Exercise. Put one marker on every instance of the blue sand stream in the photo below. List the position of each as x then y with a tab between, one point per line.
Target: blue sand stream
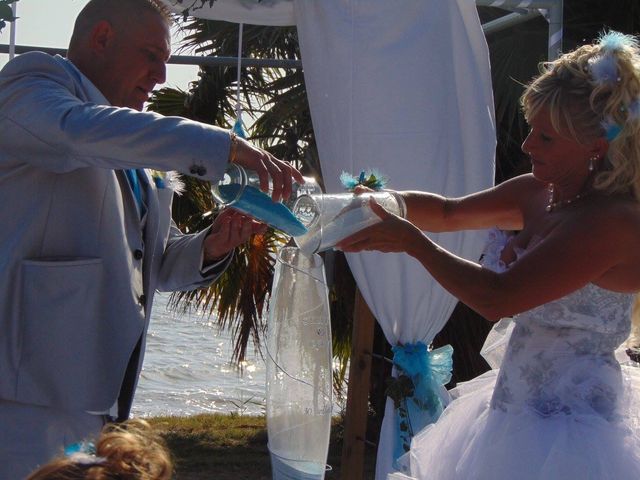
260	206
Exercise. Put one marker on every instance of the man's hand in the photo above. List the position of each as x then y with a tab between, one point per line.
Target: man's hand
266	165
230	229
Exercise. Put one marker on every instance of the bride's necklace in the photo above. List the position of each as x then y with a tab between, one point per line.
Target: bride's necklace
552	205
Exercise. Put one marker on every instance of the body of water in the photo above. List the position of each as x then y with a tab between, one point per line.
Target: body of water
187	369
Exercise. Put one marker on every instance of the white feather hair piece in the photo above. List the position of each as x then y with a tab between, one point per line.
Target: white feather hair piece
604	68
615	41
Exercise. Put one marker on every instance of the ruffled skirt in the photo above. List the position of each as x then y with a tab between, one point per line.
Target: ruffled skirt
472	441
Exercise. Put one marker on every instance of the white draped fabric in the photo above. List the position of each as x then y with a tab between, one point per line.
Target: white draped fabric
404	88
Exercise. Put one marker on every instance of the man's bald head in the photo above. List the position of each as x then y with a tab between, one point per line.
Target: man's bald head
121	14
122	46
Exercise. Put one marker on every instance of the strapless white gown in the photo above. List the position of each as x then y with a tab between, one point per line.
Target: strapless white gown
560	406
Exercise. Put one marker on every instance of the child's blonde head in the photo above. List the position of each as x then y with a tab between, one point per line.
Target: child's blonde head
127	451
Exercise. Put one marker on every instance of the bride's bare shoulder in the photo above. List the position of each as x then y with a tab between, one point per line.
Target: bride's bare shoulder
610	218
616	229
524	185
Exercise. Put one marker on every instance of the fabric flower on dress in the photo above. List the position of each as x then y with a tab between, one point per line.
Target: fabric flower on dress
496	241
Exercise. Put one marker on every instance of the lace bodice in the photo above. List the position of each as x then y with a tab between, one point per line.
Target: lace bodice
560	357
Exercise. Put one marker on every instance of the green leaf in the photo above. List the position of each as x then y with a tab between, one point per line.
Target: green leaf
5	12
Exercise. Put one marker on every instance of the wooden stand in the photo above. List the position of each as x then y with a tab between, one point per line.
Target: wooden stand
358	391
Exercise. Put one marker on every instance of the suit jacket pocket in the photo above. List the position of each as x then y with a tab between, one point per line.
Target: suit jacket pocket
60	333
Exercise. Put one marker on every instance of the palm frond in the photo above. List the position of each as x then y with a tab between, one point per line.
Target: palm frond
169	101
275	103
241	292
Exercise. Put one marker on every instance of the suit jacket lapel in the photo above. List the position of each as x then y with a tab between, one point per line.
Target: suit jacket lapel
150	233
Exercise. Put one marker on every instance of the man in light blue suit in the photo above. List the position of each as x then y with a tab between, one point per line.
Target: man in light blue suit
87	236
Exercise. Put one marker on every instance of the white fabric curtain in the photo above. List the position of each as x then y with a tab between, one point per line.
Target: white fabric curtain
405	88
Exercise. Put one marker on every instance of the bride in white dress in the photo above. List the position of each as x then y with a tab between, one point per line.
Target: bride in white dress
560	406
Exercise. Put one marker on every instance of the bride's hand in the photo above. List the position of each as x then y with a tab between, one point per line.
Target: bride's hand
359	189
391	234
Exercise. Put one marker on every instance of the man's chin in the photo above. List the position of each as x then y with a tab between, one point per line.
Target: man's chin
139	106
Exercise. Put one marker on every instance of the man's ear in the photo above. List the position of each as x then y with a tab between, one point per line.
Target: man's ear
101	37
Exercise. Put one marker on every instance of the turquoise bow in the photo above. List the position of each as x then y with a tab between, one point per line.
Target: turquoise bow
421	373
87	448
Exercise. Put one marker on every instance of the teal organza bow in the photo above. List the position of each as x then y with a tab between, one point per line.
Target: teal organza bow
421	374
87	448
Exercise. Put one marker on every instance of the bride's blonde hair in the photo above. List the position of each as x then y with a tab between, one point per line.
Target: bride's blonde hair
127	451
594	92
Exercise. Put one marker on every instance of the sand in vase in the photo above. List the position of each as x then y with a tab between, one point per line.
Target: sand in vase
260	206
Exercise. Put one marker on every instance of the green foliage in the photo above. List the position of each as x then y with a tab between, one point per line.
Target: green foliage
274	99
238	299
231	447
6	13
275	103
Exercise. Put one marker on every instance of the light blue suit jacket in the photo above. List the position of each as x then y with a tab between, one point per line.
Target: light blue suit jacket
77	275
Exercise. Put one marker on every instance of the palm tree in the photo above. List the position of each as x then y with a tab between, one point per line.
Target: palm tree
275	102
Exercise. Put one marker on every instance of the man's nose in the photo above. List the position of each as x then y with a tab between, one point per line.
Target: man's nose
526	145
159	73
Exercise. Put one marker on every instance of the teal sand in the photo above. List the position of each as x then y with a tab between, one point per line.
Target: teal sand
260	206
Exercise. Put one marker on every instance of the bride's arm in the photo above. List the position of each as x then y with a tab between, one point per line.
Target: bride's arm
500	206
578	251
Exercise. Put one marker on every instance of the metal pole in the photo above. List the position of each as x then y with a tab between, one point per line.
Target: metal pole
507	21
12	32
554	11
181	59
517	4
556	14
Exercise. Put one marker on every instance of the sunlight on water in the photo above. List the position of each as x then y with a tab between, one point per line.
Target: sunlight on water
187	371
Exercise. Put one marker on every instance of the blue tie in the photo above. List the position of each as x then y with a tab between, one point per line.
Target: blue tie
132	175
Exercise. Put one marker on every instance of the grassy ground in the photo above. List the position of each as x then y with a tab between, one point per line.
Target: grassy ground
226	447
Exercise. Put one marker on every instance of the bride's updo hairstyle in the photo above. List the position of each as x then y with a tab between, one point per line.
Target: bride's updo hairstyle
594	92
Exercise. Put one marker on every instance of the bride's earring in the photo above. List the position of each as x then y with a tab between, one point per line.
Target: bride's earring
593	162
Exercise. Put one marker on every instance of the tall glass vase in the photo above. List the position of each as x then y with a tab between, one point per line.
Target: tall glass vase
299	370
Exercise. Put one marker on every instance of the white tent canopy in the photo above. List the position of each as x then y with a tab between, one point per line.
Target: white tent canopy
406	91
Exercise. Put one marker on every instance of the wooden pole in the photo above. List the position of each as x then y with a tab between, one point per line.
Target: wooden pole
358	391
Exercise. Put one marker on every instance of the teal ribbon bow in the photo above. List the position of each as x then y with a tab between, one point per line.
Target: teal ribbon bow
87	448
421	373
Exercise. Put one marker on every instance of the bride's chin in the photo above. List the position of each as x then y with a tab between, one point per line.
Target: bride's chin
538	174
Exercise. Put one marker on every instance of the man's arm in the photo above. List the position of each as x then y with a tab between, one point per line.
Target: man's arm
193	261
45	124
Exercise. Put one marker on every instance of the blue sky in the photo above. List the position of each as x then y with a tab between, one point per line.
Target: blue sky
49	23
